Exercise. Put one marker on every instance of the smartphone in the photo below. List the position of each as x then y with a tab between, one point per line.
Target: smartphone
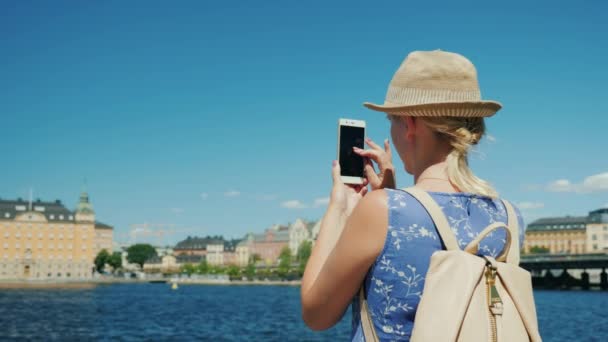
350	133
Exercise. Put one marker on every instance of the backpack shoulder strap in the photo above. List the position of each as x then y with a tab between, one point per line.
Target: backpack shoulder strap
513	225
366	319
443	227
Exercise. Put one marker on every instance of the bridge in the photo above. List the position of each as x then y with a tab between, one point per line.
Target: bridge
541	265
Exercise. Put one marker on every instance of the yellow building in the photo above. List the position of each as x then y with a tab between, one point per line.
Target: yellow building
45	240
560	235
597	231
104	238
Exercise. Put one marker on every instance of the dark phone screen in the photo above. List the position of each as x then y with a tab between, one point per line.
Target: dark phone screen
351	164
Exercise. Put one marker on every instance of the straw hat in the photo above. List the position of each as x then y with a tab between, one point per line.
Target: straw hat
435	83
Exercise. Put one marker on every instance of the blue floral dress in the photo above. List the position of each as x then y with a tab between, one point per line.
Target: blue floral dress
394	283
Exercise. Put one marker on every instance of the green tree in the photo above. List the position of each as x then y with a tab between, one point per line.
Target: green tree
202	267
101	259
284	261
187	268
233	271
304	251
140	253
115	261
250	271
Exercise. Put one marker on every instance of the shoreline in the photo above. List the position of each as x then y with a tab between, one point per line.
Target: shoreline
86	284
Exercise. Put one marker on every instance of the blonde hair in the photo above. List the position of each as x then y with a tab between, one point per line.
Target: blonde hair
461	133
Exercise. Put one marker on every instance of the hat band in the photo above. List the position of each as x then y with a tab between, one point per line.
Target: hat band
415	96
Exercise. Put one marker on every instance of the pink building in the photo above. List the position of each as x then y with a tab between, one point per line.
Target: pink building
269	245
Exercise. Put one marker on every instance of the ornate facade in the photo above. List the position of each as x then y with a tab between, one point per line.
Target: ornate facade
45	240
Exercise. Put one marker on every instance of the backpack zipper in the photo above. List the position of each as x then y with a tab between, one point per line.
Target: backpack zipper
494	301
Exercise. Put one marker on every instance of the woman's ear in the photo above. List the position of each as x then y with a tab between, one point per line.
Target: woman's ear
410	123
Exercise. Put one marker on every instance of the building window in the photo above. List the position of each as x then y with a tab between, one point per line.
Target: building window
595	247
593	237
52	217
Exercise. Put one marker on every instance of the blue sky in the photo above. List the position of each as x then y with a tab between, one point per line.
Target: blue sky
220	117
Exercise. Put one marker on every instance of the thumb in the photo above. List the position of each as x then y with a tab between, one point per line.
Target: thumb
335	172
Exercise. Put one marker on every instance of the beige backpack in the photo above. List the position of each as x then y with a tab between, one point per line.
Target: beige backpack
467	297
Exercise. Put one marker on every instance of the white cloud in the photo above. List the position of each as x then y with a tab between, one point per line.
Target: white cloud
530	205
232	193
561	185
319	202
204	195
293	204
177	210
594	183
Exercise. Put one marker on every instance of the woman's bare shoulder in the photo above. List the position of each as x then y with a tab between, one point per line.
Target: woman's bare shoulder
370	220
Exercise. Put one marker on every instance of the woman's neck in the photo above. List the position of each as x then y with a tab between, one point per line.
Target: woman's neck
435	178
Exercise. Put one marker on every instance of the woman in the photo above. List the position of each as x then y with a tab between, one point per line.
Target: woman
384	239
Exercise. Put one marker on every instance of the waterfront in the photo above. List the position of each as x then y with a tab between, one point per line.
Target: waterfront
134	312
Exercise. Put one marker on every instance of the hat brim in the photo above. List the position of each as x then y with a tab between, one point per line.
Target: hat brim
459	109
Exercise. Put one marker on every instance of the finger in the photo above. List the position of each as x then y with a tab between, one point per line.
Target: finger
335	172
363	191
365	182
375	155
372	144
387	148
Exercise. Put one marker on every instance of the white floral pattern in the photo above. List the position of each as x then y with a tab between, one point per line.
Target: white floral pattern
395	282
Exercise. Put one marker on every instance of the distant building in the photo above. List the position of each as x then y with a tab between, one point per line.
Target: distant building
215	253
268	245
557	234
215	250
230	253
166	263
45	240
299	232
570	235
597	231
196	245
103	237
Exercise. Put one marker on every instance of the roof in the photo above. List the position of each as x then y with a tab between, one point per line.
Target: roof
198	243
101	225
559	223
230	245
598	216
53	211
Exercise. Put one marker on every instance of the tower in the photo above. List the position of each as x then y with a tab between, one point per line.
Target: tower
84	210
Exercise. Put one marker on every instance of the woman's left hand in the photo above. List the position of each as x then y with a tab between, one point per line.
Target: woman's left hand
345	196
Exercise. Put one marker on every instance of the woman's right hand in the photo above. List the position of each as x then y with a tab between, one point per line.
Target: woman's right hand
385	178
